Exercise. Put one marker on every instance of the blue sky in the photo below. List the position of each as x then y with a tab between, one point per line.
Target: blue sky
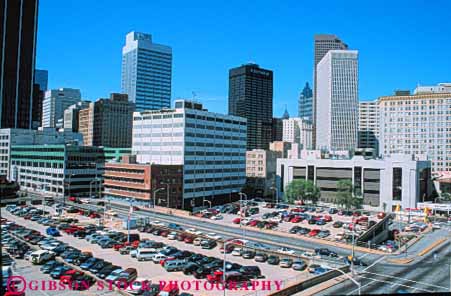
401	43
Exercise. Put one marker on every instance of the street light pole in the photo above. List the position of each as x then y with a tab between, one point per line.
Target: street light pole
128	220
154	195
224	268
209	202
241	213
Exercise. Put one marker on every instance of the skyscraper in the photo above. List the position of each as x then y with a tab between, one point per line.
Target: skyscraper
369	125
337	94
305	103
146	72
251	97
41	77
17	61
55	102
323	43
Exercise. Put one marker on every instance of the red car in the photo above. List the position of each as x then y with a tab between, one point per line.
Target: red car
69	275
327	218
313	232
271	225
81	212
189	239
164	233
236	221
253	223
135	208
356	214
381	215
228	249
296	219
94	215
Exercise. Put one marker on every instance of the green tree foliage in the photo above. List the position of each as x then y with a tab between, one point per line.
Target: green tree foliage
346	195
302	190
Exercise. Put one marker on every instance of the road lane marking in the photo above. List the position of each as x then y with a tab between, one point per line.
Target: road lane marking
399	278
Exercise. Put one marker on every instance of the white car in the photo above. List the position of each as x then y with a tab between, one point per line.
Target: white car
50	247
339	236
193	231
285	250
276	219
172	235
236	252
436	225
157	223
245	221
213	235
217	217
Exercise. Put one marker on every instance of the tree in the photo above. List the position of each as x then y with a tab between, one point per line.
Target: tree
445	196
347	196
302	190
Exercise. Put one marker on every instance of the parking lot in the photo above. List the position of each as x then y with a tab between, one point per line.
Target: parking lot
155	272
304	221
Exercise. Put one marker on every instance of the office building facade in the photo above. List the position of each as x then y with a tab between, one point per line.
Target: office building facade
298	130
322	44
71	116
17	61
337	94
146	72
41	78
210	146
261	171
55	102
57	170
305	103
383	183
11	137
251	97
369	125
419	125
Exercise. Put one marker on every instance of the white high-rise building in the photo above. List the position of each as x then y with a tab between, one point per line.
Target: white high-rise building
419	125
146	72
337	98
210	146
369	125
298	130
55	102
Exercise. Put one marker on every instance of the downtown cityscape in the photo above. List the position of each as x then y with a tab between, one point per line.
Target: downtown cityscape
156	189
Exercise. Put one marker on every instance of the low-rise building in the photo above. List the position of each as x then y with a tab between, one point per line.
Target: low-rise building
10	137
261	171
58	170
383	183
115	154
281	147
141	182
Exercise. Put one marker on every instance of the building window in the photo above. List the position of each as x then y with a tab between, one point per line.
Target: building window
397	184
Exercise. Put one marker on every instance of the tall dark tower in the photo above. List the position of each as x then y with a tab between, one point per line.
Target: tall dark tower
18	28
251	96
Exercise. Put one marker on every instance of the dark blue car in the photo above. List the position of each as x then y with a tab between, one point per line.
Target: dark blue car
52	231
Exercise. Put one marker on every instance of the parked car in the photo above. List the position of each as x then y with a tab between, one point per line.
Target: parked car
299	264
273	260
286	263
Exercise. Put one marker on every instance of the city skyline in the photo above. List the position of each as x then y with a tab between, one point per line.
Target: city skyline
385	66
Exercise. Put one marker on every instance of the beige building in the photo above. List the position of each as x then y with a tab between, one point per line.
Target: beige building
281	147
418	125
299	131
85	122
261	170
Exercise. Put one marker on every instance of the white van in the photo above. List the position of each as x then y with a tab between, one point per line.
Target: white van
156	258
41	256
145	254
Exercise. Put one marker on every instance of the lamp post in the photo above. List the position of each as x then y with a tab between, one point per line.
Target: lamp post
209	202
224	268
276	193
128	220
167	192
155	193
90	188
241	212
